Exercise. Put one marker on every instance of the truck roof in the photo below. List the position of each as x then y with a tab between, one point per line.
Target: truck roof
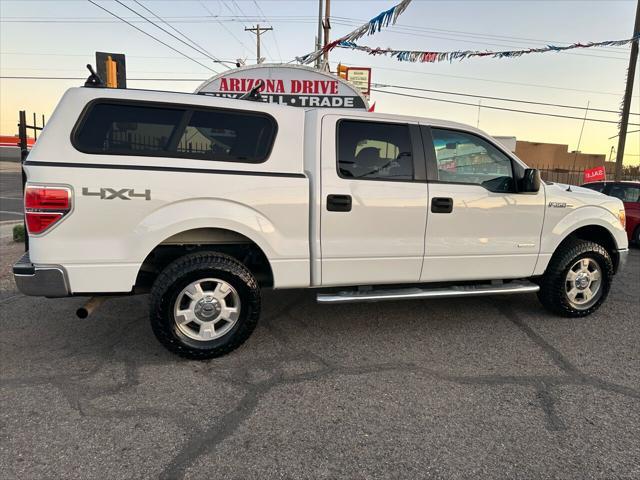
273	108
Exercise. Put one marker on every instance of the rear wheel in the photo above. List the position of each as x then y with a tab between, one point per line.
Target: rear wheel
577	279
636	236
204	305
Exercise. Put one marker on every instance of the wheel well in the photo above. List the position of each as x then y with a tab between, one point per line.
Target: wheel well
220	240
601	236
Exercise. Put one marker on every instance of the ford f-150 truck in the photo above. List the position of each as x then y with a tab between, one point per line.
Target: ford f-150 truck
202	201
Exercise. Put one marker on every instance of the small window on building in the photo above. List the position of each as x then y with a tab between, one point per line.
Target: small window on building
224	135
127	129
374	151
466	158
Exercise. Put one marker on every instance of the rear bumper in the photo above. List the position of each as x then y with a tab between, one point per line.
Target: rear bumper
40	280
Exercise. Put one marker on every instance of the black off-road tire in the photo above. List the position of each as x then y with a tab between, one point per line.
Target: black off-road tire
552	293
636	237
181	273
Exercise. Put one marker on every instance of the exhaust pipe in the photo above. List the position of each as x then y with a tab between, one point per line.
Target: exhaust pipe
88	308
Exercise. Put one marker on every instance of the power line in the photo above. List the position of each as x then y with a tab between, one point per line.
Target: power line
242	44
26	77
153	37
202	50
275	39
490	80
166	31
503	99
499	108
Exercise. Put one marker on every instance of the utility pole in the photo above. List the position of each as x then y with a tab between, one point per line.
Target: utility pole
626	103
326	24
319	36
258	30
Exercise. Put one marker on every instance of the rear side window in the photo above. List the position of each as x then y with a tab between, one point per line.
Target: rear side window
127	129
146	129
374	151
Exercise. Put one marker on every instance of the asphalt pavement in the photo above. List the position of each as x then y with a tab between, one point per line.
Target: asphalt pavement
490	387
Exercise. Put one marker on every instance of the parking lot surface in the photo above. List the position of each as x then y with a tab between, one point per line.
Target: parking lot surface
461	388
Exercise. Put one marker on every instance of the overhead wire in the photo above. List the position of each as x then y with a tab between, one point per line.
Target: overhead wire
493	107
167	32
152	36
242	44
275	37
200	48
503	99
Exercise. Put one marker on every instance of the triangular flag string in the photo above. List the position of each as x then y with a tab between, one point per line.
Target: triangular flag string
422	56
376	24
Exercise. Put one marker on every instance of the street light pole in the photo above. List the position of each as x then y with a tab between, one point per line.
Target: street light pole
626	104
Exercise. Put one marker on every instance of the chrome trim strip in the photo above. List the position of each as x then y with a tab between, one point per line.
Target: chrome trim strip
420	293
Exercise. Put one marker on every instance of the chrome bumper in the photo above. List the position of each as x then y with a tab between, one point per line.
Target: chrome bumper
623	255
40	280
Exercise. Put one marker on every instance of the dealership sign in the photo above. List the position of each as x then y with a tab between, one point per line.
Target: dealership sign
296	85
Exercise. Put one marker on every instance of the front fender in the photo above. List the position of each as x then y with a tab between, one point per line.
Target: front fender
555	232
558	227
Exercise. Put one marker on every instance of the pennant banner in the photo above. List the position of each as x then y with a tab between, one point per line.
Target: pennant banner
432	57
384	19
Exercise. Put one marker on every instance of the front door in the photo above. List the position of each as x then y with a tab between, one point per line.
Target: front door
373	202
479	227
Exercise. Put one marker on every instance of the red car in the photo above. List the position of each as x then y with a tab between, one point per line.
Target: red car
629	193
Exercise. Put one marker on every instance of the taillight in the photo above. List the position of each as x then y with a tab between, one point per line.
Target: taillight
45	206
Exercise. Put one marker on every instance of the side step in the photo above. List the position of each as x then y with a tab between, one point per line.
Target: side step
413	293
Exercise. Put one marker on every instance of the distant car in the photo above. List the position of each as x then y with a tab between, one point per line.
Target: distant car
629	193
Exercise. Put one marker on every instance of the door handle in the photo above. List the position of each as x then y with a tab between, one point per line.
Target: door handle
339	203
441	205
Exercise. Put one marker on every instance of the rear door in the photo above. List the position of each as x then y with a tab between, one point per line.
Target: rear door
373	201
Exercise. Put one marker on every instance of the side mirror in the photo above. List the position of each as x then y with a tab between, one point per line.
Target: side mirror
530	180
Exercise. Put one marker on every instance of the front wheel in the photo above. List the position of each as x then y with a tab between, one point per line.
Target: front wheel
577	279
204	305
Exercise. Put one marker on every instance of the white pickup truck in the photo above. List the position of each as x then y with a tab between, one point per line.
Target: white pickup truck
203	201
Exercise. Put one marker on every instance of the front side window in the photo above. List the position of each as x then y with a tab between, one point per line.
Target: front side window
466	158
374	151
147	129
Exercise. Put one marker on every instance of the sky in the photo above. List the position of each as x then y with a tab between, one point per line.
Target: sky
58	38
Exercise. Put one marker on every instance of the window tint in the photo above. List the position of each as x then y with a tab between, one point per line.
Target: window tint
465	158
142	129
626	193
598	187
373	150
218	135
115	128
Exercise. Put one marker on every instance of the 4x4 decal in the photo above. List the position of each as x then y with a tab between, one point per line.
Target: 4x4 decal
112	193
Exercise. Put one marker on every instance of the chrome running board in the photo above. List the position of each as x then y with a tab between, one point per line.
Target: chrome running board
413	293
